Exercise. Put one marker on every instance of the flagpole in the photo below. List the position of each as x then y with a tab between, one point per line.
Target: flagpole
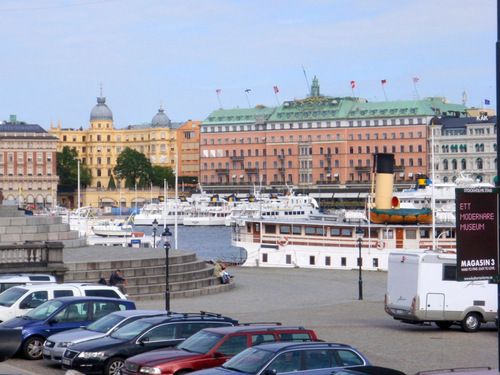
248	100
276	90
416	91
383	89
307	81
218	97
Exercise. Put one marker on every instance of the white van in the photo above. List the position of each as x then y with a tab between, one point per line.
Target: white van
18	300
9	280
423	288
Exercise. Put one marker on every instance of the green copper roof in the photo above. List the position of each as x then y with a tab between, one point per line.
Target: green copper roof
239	116
317	107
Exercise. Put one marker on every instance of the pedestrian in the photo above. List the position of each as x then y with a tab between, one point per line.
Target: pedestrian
118	281
218	271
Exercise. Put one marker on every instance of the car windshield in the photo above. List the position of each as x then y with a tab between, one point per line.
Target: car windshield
131	330
250	360
104	324
43	311
10	296
201	342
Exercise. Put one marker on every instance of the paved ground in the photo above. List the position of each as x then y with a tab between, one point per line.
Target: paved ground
327	301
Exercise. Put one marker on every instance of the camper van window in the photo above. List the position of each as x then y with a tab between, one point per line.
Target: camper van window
411	234
449	272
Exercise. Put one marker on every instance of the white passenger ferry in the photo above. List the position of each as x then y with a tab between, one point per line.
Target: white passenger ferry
327	241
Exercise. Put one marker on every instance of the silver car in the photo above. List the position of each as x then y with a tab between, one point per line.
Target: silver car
55	345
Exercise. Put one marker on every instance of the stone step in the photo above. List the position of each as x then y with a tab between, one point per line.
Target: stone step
209	290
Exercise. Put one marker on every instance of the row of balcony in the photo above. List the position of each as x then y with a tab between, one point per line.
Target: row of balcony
327	169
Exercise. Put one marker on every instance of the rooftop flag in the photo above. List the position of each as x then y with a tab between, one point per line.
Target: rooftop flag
353	84
384	81
247	90
486	102
218	91
276	89
415	79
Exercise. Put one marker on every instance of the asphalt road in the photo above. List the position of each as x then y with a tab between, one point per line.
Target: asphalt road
327	301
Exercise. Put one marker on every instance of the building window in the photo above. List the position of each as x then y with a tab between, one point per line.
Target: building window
343	261
312	260
328	261
288	259
264	258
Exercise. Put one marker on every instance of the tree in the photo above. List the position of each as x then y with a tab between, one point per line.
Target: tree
67	169
133	166
111	183
160	174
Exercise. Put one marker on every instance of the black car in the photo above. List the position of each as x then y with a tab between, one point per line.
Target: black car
106	355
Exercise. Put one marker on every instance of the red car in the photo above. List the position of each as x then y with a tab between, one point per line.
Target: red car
211	347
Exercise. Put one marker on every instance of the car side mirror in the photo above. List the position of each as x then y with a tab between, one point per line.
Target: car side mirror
144	340
270	372
24	305
217	355
53	321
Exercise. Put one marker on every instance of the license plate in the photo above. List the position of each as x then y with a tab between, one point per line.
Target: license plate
46	352
398	311
66	362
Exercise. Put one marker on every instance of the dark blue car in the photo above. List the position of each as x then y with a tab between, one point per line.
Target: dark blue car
61	314
311	358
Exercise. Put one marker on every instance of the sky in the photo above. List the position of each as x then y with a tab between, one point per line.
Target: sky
57	54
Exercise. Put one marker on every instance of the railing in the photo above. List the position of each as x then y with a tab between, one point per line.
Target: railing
31	254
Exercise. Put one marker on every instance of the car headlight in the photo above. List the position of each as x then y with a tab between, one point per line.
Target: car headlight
149	370
88	355
65	344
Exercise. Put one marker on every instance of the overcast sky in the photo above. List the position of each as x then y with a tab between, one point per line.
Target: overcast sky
147	53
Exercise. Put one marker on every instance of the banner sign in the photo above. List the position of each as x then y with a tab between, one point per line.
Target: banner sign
477	233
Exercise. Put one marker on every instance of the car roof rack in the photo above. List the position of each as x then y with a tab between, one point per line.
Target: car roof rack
261	324
456	369
311	343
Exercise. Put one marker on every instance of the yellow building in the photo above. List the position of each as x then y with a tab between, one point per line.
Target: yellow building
99	146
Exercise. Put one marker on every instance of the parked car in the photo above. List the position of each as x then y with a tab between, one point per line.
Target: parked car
19	300
313	358
61	314
55	345
211	347
9	280
106	355
461	371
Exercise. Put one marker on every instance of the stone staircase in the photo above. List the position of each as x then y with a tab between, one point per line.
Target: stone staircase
188	276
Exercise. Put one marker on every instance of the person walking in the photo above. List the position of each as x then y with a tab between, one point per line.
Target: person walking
118	281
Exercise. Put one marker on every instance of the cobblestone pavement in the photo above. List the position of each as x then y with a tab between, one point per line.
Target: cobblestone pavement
327	301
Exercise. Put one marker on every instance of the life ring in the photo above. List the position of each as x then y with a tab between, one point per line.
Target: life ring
283	241
380	245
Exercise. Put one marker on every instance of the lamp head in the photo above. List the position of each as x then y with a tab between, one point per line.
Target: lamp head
360	233
165	236
155	224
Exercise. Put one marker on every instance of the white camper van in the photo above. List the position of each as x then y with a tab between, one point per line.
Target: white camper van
423	288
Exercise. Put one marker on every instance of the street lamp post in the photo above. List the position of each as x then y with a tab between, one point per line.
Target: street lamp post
165	236
155	228
360	233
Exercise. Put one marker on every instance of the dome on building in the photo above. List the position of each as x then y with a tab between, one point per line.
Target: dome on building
160	119
101	111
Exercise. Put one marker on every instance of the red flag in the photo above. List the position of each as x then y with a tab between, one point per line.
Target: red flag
353	84
415	79
384	81
218	91
276	89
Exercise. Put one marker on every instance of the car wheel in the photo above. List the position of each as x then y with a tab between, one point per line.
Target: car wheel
471	322
32	347
113	366
444	324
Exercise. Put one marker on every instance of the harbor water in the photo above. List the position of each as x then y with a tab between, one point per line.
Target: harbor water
210	243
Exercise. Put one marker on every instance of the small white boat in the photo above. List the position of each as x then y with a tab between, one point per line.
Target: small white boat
136	239
112	228
163	212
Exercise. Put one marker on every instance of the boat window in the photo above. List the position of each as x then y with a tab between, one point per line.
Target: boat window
425	233
310	230
388	234
320	231
296	230
284	229
268	228
411	234
346	232
335	232
373	233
